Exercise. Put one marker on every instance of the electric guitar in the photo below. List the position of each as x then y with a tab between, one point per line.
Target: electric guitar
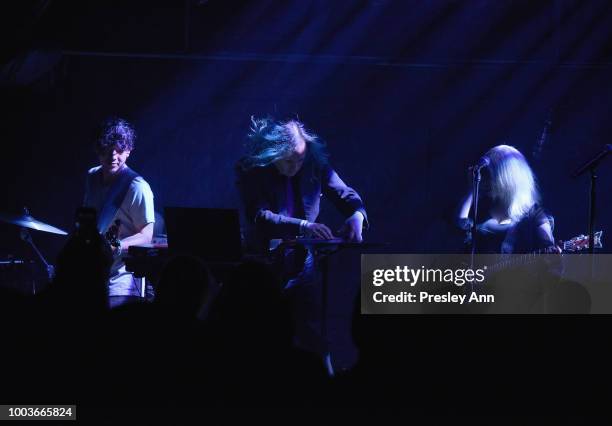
573	245
546	287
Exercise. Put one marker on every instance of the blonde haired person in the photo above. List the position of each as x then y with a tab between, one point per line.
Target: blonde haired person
510	217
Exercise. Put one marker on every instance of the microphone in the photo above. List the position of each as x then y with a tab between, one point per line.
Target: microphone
482	163
593	162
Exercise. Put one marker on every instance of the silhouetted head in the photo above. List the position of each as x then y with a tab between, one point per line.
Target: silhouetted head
82	274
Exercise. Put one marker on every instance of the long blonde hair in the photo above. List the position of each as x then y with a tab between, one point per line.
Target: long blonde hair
513	185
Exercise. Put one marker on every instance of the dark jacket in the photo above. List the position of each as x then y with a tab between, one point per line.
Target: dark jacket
263	192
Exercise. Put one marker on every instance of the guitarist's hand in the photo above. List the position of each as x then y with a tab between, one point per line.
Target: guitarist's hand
117	250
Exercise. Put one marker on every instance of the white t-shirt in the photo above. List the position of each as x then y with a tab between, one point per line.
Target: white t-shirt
136	211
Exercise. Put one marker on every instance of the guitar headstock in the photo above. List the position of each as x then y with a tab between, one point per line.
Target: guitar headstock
581	242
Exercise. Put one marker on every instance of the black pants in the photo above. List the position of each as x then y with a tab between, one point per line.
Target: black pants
302	285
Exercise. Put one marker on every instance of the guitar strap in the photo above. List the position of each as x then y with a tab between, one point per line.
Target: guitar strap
114	197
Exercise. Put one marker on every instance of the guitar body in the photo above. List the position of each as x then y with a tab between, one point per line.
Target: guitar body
523	287
536	282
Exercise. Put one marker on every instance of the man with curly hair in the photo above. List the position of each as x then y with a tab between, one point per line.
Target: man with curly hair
123	201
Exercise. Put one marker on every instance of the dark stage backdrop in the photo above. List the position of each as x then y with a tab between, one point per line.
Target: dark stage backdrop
407	94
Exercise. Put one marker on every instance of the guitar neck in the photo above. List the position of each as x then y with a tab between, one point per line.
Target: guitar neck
576	244
516	260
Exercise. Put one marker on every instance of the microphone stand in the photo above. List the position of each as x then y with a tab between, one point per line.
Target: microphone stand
476	177
27	237
591	167
592	204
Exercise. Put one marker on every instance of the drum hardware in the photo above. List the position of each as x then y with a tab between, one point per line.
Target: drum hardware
17	274
26	222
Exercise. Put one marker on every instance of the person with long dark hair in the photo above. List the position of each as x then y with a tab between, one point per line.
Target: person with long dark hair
281	181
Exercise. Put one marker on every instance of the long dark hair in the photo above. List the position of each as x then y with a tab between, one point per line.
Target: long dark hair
271	140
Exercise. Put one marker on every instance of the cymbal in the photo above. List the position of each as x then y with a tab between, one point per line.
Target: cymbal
27	221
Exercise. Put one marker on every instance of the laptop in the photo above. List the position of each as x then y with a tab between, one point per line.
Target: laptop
210	234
